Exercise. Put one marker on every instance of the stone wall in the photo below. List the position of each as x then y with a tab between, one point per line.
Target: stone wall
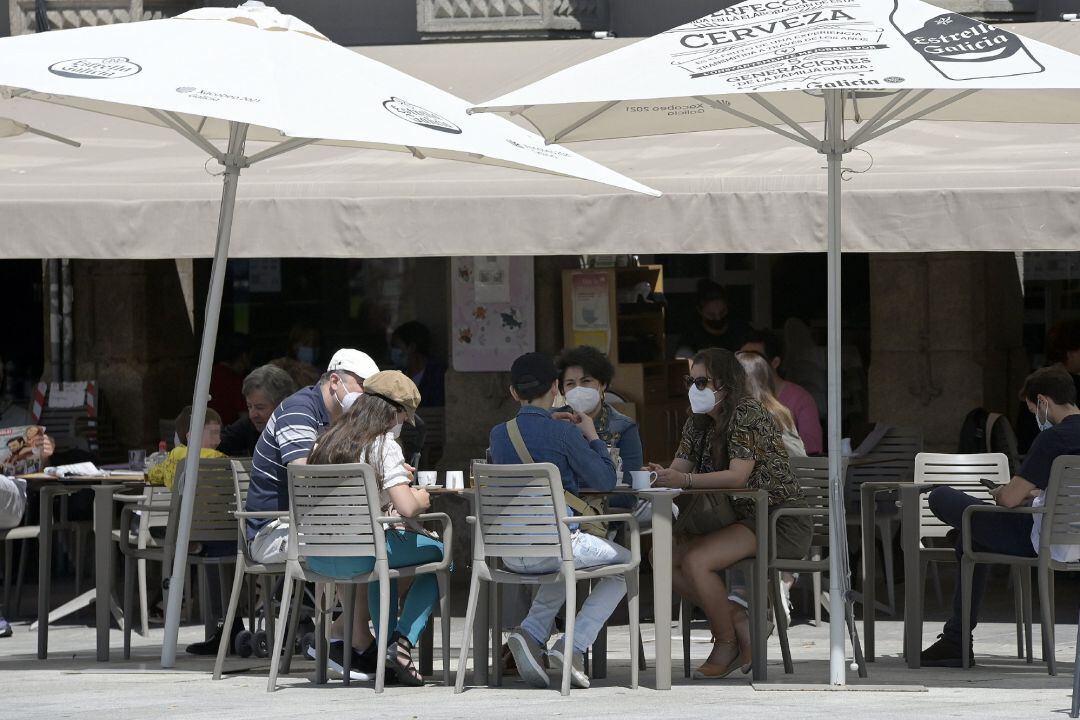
946	338
133	336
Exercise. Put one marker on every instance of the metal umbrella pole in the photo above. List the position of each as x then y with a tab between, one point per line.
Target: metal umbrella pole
234	161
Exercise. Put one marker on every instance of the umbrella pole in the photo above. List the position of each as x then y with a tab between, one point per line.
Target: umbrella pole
234	161
834	151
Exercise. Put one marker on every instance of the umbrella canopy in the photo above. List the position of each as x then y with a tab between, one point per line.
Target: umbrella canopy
207	68
252	73
783	63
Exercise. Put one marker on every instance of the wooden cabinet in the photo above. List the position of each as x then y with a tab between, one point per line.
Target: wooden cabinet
632	334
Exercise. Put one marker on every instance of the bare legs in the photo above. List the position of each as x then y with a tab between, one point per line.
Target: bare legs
696	577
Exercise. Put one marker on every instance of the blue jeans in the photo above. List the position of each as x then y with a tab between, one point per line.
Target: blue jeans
1007	534
404	548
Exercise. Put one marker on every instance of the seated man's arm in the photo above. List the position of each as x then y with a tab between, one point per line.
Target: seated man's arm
1016	493
590	461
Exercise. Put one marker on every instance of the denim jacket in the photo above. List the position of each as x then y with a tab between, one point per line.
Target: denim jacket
617	429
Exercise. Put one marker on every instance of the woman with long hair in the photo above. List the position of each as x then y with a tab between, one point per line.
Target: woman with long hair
367	432
761	384
729	442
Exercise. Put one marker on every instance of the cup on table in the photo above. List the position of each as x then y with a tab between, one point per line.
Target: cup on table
642	479
455	480
427	478
137	460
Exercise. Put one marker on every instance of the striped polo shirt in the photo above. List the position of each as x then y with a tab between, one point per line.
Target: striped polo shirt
290	435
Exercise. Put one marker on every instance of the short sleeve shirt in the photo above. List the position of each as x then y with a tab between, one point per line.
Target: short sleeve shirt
1061	439
289	435
752	435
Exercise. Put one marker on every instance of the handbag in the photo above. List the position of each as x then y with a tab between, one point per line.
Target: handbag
579	505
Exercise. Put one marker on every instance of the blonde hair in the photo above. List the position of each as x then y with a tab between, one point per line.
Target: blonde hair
761	384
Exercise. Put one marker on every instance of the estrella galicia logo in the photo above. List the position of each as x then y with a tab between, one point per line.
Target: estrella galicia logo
420	116
894	79
185	89
109	68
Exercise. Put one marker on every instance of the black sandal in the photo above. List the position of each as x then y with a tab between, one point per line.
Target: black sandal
399	661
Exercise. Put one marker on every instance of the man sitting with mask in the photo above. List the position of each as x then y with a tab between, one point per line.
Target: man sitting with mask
1050	395
289	437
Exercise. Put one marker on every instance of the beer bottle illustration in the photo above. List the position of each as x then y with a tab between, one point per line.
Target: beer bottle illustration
961	48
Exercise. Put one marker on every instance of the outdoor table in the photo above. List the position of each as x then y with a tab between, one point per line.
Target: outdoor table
909	541
105	487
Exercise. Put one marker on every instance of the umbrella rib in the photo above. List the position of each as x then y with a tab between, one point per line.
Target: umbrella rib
556	137
281	147
780	115
49	135
177	123
886	117
875	121
922	113
757	121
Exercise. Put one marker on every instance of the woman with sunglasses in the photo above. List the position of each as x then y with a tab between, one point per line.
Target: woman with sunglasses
729	441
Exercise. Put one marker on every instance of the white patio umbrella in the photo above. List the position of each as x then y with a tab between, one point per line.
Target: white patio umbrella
782	64
254	74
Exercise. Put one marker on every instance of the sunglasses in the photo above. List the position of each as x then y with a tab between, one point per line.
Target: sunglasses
701	382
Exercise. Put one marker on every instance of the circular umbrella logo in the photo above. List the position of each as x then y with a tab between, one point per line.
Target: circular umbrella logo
420	116
110	68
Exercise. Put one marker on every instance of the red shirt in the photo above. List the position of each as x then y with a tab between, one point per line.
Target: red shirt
801	403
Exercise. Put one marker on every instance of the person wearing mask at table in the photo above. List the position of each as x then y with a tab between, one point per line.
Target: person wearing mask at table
289	437
227	378
585	374
13	502
263	390
1050	395
714	326
303	356
570	442
730	441
797	399
367	433
410	352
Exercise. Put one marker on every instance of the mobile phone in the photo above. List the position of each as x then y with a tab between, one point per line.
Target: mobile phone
989	484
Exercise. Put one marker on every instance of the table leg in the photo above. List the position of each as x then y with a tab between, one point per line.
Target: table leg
103	565
661	538
909	503
45	498
868	510
759	640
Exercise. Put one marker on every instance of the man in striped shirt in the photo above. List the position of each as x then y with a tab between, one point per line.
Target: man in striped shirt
289	438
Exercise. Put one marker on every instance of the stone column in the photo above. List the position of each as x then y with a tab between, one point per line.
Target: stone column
945	338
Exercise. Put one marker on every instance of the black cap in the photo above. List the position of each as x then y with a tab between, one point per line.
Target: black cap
533	371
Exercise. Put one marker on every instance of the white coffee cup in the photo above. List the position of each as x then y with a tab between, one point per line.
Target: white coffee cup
642	479
427	478
455	480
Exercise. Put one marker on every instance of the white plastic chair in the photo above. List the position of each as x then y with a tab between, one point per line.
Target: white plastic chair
334	511
521	512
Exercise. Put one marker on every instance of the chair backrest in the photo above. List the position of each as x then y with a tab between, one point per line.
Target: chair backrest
959	471
519	511
892	459
215	499
1062	504
241	472
332	512
813	476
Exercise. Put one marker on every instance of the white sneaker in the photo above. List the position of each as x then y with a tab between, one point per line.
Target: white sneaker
528	657
578	678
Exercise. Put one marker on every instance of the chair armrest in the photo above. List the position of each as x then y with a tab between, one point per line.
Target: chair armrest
628	518
260	514
790	512
442	518
125	527
965	522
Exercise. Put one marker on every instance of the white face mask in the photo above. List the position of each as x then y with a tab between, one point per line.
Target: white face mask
702	401
347	401
583	399
1045	423
396	430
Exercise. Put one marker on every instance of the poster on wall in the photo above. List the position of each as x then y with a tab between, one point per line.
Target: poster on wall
493	312
589	300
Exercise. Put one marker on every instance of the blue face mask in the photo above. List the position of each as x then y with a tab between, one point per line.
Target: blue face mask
1045	423
398	357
